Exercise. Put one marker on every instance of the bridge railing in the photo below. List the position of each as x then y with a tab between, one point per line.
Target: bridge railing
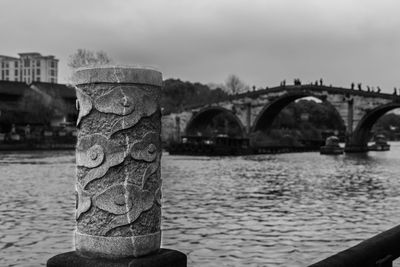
332	89
378	251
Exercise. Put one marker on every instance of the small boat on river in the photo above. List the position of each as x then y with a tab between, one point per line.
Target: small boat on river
380	144
331	146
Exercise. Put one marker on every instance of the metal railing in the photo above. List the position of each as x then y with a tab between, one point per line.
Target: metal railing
378	251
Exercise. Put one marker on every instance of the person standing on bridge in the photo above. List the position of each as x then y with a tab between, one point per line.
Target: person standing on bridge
352	86
379	89
394	91
321	82
359	87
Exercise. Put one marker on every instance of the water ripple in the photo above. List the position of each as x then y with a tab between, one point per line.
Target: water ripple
262	210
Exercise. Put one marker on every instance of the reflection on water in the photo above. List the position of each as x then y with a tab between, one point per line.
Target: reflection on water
262	210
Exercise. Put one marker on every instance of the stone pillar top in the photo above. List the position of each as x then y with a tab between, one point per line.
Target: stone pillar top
117	74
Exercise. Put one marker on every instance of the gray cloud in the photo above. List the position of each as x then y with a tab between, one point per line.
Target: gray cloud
262	41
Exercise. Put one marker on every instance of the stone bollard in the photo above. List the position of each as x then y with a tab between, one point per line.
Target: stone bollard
118	179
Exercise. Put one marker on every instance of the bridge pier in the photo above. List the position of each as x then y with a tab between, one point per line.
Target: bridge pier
355	148
350	117
248	118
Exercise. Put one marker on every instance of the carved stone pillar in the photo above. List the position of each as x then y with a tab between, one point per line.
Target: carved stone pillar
118	182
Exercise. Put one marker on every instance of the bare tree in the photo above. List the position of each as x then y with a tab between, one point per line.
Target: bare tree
234	85
84	57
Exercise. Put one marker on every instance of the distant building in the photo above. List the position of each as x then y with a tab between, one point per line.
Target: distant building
28	68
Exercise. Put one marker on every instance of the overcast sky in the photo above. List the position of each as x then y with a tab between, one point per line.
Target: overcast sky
261	41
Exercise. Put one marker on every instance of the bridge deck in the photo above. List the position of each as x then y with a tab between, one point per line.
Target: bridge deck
333	90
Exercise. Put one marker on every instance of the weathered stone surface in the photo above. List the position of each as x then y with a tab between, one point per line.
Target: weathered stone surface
117	247
158	196
114	200
84	201
150	170
124	199
99	154
145	107
118	74
146	149
120	100
118	162
130	102
136	103
84	105
146	223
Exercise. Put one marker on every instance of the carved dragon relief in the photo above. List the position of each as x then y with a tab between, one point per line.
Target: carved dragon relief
131	103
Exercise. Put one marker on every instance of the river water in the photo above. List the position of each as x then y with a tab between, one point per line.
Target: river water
260	210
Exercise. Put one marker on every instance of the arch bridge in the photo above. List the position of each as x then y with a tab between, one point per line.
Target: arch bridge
254	111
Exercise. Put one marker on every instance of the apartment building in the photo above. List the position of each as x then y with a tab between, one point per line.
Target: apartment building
28	68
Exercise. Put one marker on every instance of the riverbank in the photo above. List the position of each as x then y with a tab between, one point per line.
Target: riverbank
36	146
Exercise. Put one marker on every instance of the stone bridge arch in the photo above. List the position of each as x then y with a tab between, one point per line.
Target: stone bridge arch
271	110
358	142
256	109
203	117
